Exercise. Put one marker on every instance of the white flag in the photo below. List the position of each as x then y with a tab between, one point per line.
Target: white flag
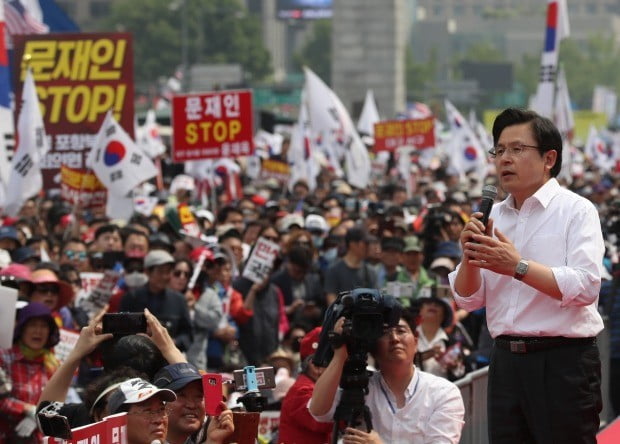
565	122
300	155
598	152
268	144
466	152
25	178
563	113
148	137
333	126
557	29
117	161
369	115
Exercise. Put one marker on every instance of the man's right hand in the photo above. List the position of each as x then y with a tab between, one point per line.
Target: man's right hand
474	226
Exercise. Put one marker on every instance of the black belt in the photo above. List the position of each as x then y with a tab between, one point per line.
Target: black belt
522	344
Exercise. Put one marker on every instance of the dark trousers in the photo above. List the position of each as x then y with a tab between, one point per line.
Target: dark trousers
551	396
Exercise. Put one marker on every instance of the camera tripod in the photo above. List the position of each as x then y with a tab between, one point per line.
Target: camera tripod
352	408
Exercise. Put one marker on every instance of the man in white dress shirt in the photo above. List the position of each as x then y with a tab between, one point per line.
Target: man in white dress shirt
536	267
406	404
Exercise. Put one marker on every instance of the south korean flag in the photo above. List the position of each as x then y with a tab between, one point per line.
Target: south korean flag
117	161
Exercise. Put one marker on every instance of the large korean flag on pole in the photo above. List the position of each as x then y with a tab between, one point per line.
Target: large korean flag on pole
25	178
466	152
116	160
557	29
330	120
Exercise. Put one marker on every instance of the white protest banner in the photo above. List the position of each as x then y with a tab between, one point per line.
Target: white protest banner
261	260
8	299
68	339
101	294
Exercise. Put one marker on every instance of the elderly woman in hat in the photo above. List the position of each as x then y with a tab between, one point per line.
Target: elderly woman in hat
25	368
438	353
49	290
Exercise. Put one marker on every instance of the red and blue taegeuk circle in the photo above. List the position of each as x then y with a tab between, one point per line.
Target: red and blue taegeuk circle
114	153
470	153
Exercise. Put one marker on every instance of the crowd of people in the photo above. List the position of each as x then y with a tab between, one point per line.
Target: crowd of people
204	314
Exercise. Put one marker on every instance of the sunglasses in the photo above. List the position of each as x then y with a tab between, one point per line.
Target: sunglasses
81	255
179	273
46	288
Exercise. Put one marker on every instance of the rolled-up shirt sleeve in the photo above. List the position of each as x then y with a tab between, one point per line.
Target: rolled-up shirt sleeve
474	302
579	280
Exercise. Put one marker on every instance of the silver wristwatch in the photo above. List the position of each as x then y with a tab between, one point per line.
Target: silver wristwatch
521	269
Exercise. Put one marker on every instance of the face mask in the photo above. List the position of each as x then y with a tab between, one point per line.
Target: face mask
317	241
331	254
136	279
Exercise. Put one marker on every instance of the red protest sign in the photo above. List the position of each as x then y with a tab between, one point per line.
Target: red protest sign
79	77
212	125
391	134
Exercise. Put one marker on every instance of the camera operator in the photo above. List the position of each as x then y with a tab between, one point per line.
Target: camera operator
407	405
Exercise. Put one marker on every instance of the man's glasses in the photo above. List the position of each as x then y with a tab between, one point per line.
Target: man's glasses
152	414
46	288
514	150
180	273
400	331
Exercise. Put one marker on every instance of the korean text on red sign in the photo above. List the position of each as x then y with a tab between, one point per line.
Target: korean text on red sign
212	125
392	134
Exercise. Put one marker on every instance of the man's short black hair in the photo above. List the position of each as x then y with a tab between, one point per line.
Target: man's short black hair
300	256
545	132
222	215
355	234
109	228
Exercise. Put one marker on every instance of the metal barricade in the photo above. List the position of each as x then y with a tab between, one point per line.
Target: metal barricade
474	391
473	388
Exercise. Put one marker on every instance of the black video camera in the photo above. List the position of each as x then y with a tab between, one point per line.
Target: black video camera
366	311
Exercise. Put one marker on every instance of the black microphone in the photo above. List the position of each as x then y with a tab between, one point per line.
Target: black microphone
489	193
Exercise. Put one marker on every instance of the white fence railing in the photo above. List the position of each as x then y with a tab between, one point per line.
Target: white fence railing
474	390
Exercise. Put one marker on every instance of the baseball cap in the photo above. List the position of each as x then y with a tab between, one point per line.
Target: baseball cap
447	249
442	262
412	243
392	244
24	254
316	223
157	257
134	391
289	221
176	376
160	241
309	343
7	232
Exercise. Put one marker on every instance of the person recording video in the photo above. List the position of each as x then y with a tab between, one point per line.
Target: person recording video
536	267
406	405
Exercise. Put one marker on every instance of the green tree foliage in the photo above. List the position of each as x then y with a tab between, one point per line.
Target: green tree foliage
595	62
484	51
219	31
316	54
418	75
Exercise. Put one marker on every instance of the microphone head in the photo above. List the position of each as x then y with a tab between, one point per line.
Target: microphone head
489	192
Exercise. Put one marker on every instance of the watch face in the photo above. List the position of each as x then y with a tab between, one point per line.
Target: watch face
521	269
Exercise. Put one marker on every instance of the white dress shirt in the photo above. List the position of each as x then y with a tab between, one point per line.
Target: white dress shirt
432	414
431	365
557	228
